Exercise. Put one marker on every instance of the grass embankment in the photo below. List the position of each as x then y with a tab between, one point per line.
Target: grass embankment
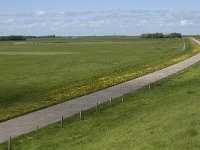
165	117
37	75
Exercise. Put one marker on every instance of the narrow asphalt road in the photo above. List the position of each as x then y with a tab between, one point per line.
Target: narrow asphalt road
27	123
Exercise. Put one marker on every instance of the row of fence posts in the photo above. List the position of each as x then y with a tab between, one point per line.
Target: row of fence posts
62	119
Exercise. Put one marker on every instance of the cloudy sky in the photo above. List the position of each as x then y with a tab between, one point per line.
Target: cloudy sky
98	17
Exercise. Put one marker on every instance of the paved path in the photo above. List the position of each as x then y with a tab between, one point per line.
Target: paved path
44	117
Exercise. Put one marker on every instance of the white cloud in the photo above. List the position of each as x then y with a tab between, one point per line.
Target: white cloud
187	23
184	22
9	20
39	13
100	22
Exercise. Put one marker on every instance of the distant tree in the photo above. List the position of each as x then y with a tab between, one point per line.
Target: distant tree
175	35
161	35
47	36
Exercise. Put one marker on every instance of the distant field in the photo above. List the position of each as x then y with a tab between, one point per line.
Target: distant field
40	72
165	117
84	39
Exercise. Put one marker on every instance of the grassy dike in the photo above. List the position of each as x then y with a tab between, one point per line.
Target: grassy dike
165	117
32	82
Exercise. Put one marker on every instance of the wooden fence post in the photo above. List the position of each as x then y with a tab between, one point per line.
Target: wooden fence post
9	143
97	108
80	114
61	122
37	134
110	101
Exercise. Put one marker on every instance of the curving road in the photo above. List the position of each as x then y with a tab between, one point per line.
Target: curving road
27	123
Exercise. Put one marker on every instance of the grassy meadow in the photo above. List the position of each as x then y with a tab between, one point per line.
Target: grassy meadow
165	117
41	72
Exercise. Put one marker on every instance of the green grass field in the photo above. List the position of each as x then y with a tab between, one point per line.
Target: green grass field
39	73
165	117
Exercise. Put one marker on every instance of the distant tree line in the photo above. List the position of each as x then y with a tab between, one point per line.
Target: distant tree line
12	38
46	36
22	38
161	35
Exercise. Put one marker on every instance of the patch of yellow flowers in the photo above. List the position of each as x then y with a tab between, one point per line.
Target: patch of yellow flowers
100	83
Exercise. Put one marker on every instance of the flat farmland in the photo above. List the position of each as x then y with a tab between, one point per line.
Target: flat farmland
165	117
41	72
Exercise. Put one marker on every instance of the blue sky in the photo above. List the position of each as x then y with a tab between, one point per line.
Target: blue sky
98	17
